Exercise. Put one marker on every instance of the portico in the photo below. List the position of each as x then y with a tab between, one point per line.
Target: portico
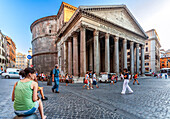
100	43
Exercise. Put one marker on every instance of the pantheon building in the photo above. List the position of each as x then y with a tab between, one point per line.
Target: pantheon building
88	38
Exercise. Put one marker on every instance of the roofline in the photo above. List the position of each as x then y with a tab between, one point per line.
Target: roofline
62	6
113	6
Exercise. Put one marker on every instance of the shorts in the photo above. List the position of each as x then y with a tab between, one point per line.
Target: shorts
91	81
27	112
94	83
67	81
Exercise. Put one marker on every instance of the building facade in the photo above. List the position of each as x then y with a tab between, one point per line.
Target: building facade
91	38
3	43
12	52
165	59
152	52
165	62
21	61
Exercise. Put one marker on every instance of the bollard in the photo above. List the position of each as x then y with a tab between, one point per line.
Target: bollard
33	116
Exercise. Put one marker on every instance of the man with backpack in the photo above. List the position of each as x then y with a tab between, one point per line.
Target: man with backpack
55	77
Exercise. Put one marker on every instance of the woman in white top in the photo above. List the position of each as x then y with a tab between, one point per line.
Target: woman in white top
95	80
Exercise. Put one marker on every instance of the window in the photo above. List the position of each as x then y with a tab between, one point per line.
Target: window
162	64
146	49
146	43
49	31
128	53
162	61
146	56
146	64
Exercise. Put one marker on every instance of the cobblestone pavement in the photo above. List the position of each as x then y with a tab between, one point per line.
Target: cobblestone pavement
150	100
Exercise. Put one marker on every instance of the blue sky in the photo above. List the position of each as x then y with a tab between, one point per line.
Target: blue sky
16	16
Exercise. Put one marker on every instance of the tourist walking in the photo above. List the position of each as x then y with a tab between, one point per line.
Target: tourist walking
135	79
86	81
90	79
113	79
55	76
125	83
95	80
67	79
25	97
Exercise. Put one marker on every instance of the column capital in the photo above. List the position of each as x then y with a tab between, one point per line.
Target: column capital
69	39
131	42
74	34
95	32
143	46
116	38
107	35
82	28
137	45
124	40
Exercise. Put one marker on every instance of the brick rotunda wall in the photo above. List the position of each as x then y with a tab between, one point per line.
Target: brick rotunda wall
43	44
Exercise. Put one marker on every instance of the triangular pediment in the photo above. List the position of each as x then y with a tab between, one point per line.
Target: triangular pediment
117	15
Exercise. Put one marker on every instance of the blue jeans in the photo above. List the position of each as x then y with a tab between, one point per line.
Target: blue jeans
56	83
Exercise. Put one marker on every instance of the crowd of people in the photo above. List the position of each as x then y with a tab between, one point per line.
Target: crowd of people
25	91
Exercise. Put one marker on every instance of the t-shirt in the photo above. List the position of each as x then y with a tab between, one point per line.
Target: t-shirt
94	77
127	76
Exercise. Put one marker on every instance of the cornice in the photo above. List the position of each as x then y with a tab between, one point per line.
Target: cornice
43	53
54	17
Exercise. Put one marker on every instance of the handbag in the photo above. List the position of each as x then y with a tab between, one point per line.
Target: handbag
86	81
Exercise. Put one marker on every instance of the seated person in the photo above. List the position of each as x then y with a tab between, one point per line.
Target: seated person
24	95
41	90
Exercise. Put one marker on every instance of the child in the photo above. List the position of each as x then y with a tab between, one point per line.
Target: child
135	79
113	79
94	80
67	80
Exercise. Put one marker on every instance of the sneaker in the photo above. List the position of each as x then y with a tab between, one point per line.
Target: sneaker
57	92
91	88
130	92
138	84
45	98
133	83
123	93
52	90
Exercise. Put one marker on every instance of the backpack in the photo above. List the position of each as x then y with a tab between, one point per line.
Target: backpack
56	73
